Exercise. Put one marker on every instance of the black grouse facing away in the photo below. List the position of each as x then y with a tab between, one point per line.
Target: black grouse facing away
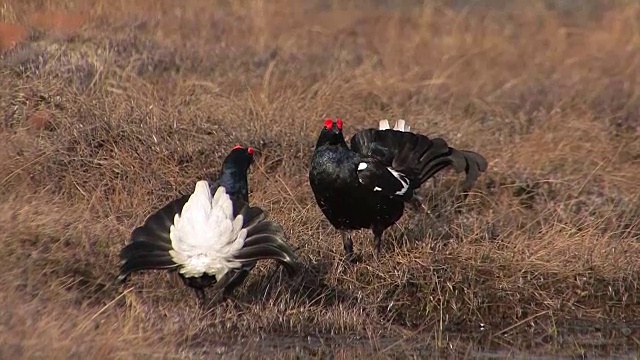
212	237
367	185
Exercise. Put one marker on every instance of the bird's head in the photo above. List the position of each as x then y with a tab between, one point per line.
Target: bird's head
240	157
331	133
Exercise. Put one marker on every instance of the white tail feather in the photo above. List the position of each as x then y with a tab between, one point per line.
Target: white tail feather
401	125
205	237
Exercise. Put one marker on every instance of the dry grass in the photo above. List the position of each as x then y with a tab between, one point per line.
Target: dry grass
108	115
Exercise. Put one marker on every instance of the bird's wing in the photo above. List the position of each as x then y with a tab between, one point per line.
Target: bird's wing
376	176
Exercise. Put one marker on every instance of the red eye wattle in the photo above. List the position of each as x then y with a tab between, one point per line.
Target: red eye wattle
328	124
250	150
237	147
339	123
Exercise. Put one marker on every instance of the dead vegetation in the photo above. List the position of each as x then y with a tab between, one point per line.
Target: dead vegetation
107	116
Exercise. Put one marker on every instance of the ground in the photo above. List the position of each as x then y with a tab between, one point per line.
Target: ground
110	109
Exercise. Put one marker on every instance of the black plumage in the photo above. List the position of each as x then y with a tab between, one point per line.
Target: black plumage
366	185
151	244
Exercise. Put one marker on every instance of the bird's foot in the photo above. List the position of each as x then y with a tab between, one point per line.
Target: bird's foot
377	246
217	299
203	304
201	297
379	256
376	255
352	258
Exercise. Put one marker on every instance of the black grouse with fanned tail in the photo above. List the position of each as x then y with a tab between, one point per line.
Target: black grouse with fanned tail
212	237
366	186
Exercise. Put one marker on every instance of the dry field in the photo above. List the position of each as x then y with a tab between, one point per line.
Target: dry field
110	108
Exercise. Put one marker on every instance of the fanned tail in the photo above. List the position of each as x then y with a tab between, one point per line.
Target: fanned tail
265	241
432	155
415	155
150	243
264	251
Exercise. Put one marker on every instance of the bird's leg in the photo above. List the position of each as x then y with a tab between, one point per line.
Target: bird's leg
377	240
202	297
226	285
347	243
237	280
198	290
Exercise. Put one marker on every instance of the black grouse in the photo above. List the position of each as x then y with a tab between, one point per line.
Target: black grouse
212	237
366	186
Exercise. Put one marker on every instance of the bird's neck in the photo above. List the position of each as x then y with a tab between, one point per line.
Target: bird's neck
339	144
235	182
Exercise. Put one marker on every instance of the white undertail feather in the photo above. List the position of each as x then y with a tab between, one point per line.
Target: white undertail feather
205	237
400	125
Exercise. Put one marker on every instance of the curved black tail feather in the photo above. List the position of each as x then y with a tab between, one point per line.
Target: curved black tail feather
417	156
265	240
264	251
150	242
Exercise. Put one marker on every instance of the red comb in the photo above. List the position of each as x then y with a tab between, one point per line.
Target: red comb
237	147
339	123
328	123
250	150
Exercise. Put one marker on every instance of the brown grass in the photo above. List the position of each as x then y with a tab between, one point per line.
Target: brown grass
139	99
